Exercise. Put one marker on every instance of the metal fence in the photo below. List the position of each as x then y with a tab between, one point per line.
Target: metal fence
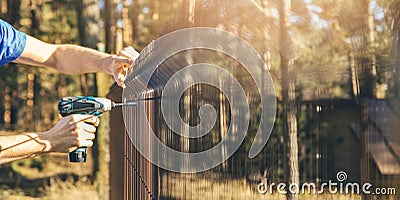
330	140
134	177
334	135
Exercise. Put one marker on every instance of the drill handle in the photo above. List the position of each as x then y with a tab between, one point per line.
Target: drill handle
78	155
86	105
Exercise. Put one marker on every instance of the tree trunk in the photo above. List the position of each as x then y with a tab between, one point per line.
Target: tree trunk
206	13
367	77
353	75
103	141
30	94
88	22
12	10
190	7
34	18
3	8
371	29
109	23
288	98
89	29
396	21
127	29
7	108
396	34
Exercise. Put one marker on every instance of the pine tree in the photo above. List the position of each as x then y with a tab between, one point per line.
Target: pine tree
288	98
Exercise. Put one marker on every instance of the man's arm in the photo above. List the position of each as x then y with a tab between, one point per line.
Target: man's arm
73	59
69	133
21	146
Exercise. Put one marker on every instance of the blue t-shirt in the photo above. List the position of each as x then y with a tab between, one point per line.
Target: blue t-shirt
12	43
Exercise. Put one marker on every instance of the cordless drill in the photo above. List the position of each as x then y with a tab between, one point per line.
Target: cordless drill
86	105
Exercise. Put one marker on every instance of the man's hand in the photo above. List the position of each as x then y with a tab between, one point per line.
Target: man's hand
124	60
71	132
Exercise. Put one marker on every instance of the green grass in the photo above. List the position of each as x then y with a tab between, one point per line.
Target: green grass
56	189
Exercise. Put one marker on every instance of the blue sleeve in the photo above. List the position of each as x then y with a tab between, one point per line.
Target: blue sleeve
12	43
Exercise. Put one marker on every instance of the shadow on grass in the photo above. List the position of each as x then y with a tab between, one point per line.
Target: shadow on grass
36	187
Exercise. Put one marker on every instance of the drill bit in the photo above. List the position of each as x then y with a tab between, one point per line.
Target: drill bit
130	103
133	102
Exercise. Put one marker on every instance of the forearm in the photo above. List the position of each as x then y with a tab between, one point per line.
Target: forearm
72	59
21	146
67	58
70	132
